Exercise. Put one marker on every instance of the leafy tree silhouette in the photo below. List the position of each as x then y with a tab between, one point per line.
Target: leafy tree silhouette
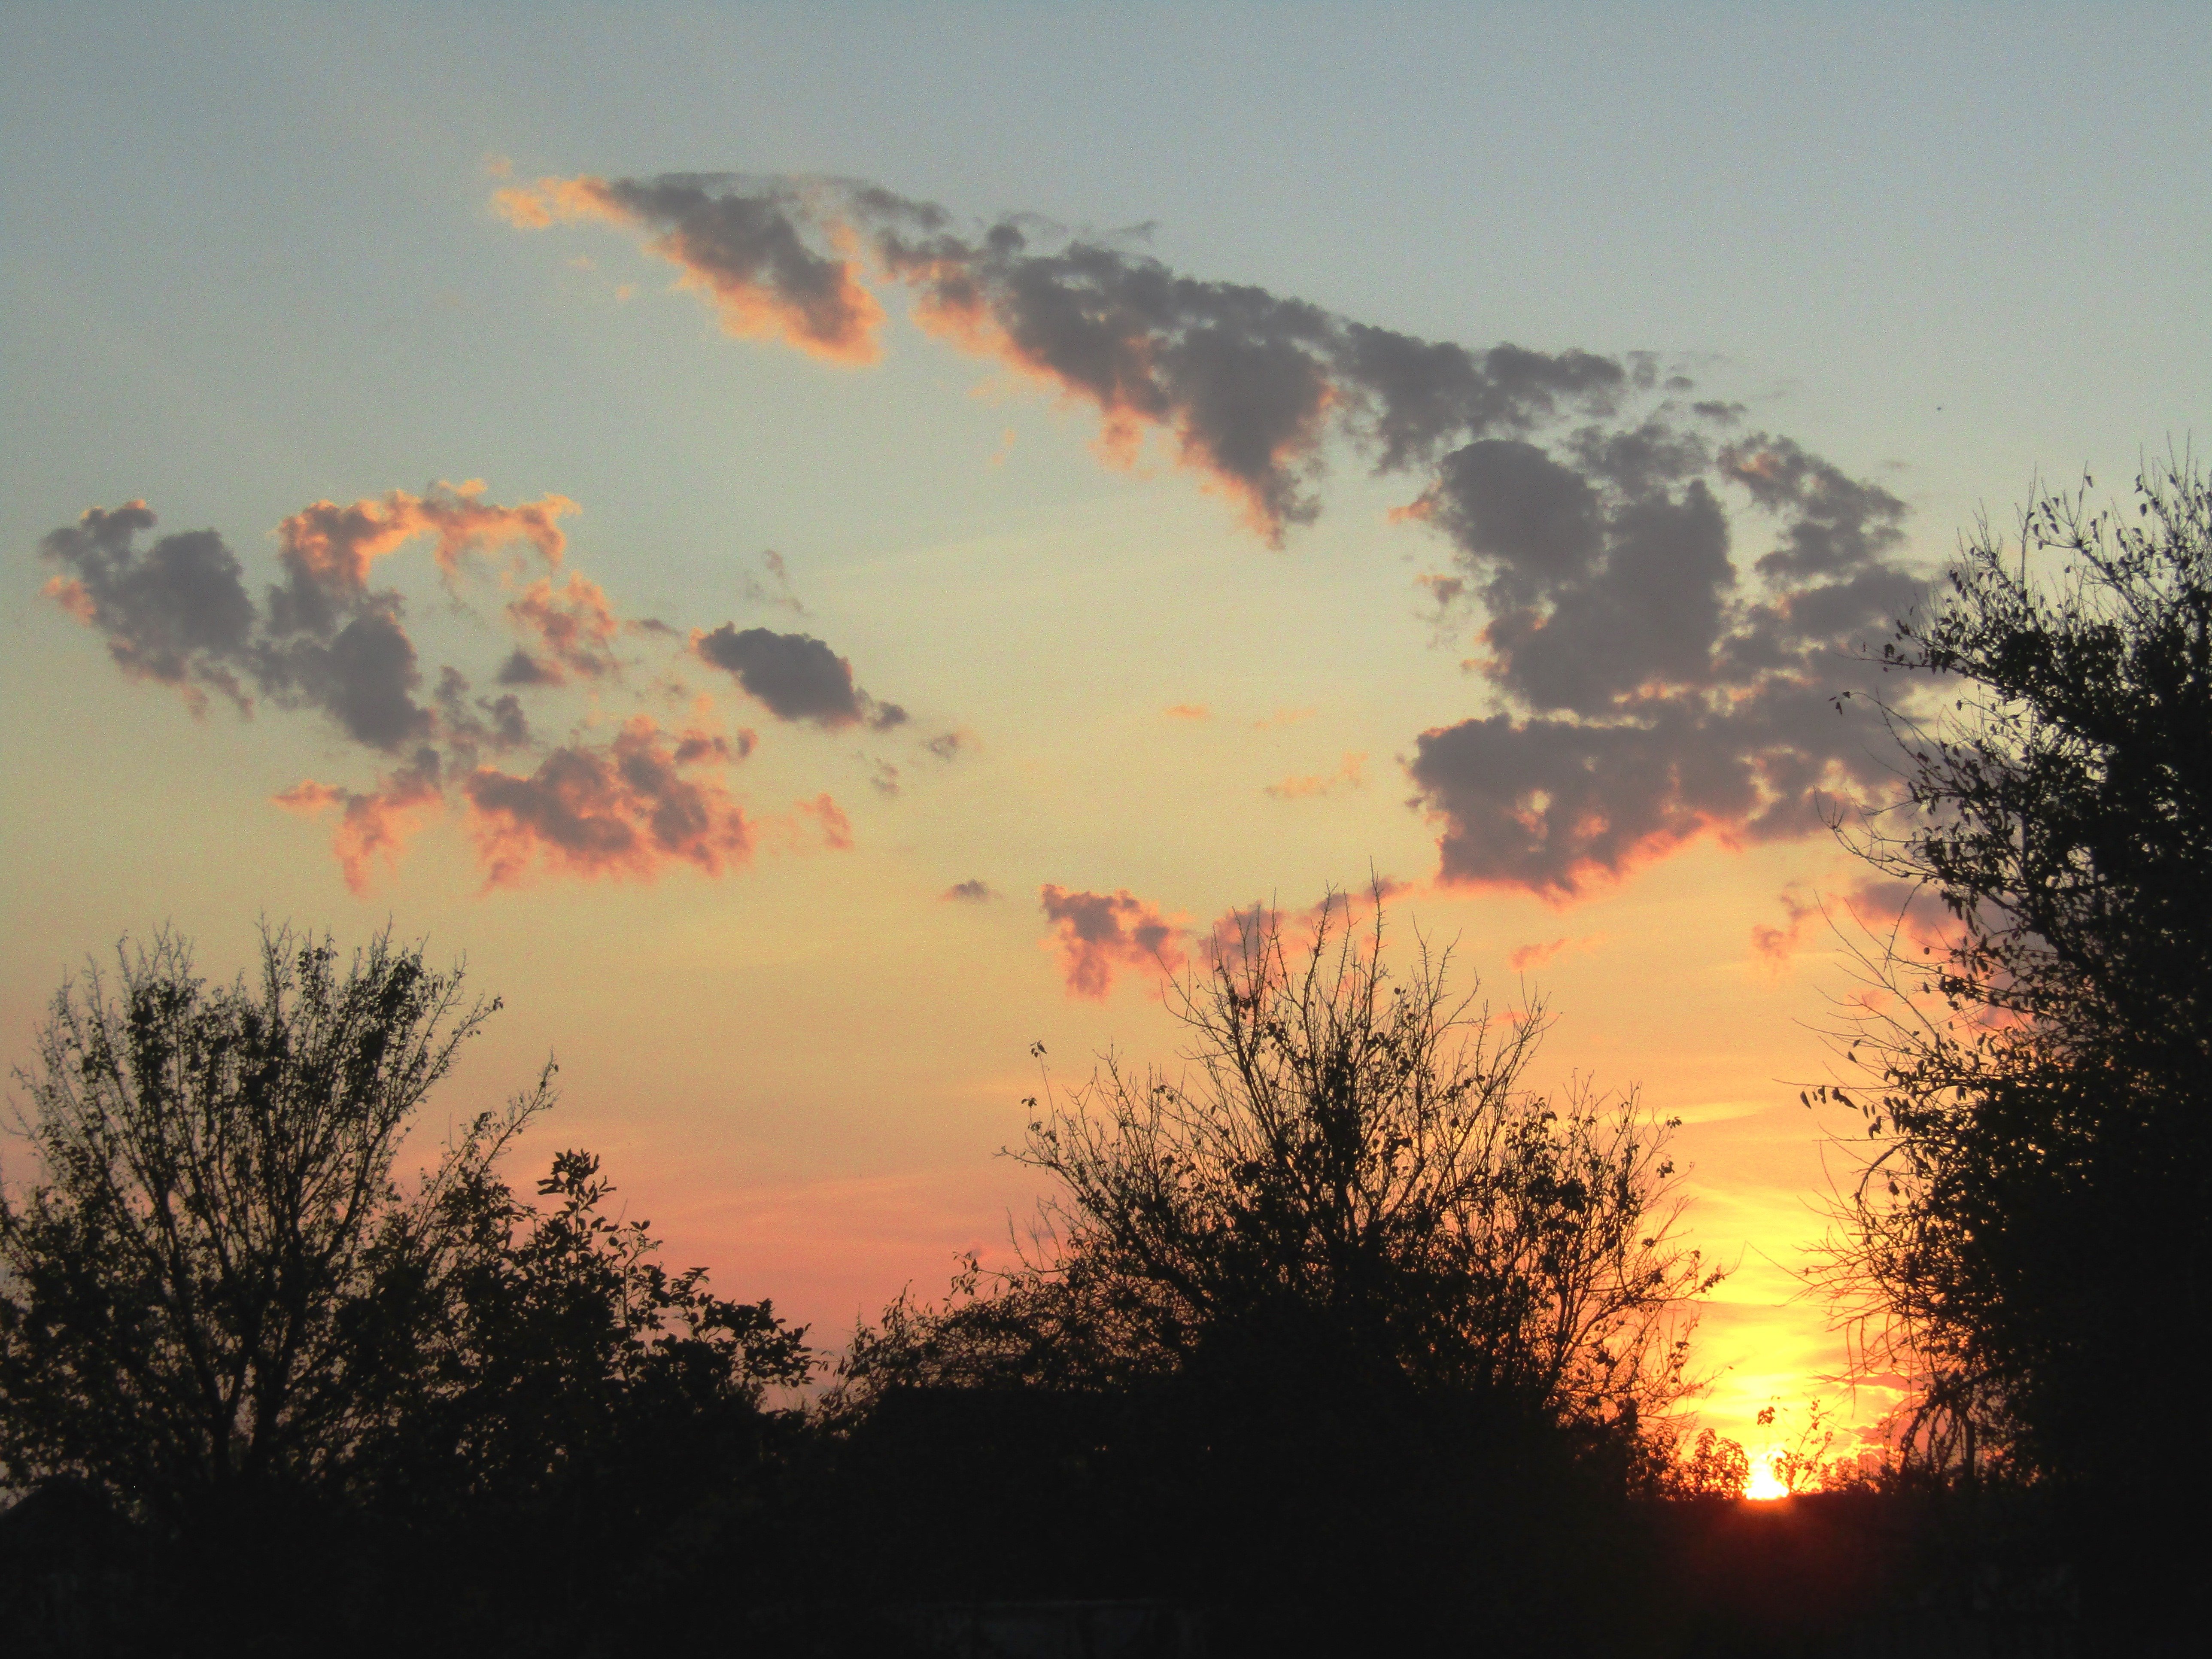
221	1308
1370	1329
2030	1231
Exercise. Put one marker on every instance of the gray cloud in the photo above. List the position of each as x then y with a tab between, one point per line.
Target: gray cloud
745	242
1249	384
177	612
795	676
1833	525
623	810
497	723
1647	682
1246	383
364	678
1665	698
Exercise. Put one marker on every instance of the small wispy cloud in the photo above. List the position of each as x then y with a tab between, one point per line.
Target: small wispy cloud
1345	777
1531	957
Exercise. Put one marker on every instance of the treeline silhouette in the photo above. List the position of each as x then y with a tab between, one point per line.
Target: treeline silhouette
1338	1339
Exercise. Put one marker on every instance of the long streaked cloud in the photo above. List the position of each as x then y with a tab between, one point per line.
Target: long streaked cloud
1648	683
1347	776
747	252
327	639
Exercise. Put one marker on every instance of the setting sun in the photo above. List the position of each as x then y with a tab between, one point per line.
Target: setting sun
1765	1486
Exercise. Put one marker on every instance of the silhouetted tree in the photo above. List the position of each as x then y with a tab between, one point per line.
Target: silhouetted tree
221	1308
2033	1229
188	1289
1353	1164
1341	1290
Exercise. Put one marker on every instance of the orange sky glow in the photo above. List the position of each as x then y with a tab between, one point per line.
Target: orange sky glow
898	601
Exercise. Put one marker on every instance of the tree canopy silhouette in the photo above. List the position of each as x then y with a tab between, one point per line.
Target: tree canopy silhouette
1357	1167
2030	1233
222	1307
1339	1284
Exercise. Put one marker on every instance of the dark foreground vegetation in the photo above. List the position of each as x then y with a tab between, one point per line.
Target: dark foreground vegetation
1339	1340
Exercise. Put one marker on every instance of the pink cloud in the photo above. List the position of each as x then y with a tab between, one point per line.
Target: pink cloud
745	253
333	545
377	823
573	626
1346	776
1531	957
1880	907
1096	932
1233	931
830	818
621	810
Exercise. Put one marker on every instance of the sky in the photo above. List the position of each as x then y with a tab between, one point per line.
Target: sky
815	547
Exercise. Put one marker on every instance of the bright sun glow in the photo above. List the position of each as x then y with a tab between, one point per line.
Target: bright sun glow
1765	1486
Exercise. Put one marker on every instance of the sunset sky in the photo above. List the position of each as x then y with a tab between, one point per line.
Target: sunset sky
813	546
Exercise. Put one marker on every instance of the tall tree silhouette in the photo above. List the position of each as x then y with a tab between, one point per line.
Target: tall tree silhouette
2031	1229
186	1309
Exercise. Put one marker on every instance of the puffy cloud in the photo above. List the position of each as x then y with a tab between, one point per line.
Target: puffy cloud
1188	711
1835	525
1098	932
744	248
378	822
176	612
574	628
326	548
971	891
625	809
1551	804
364	678
1651	694
796	677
